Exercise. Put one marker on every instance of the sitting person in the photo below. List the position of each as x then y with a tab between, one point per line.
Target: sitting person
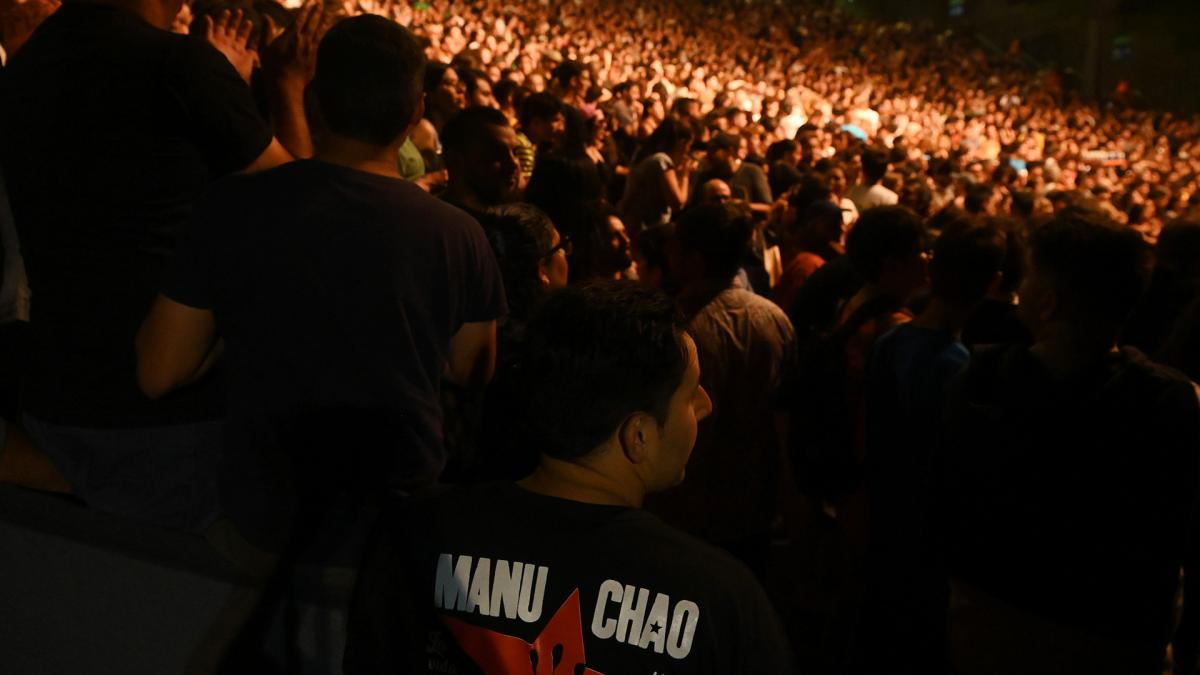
1068	476
563	572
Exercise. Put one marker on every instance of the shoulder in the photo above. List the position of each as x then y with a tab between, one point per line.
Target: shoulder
187	55
1156	377
660	160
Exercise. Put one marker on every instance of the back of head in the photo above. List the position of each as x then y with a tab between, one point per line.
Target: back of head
368	79
1178	249
1023	202
883	233
977	197
596	354
520	235
1097	268
720	234
965	263
467	126
567	71
541	106
874	165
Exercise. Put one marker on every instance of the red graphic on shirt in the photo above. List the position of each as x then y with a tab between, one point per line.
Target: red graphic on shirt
558	650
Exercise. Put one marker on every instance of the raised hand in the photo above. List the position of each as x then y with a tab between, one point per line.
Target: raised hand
20	20
291	59
230	34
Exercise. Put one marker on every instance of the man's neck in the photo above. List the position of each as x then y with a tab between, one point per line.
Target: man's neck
359	155
581	483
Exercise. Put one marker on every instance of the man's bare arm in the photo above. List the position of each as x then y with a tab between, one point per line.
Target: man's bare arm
472	358
175	346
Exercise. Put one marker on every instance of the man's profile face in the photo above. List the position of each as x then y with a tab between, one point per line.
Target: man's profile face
491	165
689	404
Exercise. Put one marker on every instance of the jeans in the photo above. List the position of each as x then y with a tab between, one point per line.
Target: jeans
164	475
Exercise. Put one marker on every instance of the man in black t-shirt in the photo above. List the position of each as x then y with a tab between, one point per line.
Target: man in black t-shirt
341	292
563	572
110	130
1068	478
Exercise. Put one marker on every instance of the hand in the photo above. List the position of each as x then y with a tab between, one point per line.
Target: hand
21	19
291	59
230	34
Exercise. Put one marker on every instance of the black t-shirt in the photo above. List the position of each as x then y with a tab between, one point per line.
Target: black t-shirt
336	292
1072	498
109	132
496	579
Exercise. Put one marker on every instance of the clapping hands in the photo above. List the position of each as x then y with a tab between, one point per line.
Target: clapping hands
230	33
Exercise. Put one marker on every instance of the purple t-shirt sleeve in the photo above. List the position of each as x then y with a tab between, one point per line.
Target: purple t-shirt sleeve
483	296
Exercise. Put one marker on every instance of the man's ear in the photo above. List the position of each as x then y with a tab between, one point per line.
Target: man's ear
635	436
543	273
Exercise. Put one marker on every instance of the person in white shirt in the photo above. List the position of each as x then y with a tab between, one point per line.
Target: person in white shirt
870	192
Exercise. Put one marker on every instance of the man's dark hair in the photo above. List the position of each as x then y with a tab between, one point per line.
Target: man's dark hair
368	79
1178	248
1098	268
965	262
720	233
466	126
567	71
540	106
520	235
724	141
874	165
811	188
652	245
1023	203
883	233
505	92
780	150
977	197
596	354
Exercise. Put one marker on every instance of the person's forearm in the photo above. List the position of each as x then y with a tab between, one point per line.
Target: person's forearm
288	119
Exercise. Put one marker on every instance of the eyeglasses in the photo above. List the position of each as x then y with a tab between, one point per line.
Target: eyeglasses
564	243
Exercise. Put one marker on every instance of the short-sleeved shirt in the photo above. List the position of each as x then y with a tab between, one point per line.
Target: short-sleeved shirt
745	345
334	290
497	579
110	131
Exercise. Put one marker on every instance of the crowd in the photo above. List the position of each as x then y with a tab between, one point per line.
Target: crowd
574	313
